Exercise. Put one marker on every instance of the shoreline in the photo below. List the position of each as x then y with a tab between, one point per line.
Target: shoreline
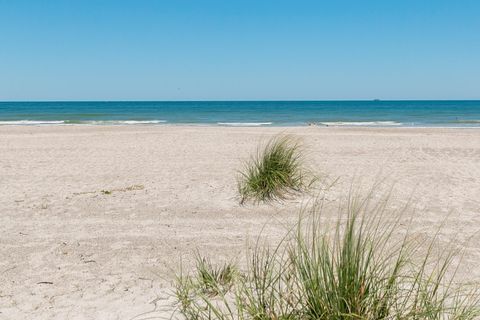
208	125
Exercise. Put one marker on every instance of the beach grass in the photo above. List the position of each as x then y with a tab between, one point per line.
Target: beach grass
212	279
360	266
276	172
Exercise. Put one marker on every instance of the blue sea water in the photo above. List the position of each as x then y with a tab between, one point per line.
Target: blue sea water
246	113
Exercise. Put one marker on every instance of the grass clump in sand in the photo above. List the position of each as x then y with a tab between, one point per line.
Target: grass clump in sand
210	281
214	280
275	173
359	269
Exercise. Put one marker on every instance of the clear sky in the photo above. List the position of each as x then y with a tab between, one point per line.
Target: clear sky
239	49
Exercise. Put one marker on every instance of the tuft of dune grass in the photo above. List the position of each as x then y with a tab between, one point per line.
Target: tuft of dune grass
214	280
209	280
359	267
276	172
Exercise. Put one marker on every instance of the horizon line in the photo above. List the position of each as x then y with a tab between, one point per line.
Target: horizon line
242	100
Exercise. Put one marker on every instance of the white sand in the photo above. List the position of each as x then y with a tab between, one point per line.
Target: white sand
68	251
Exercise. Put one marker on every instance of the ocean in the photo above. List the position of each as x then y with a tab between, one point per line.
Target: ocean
245	113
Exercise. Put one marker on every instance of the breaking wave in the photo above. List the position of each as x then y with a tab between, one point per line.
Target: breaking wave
244	124
361	123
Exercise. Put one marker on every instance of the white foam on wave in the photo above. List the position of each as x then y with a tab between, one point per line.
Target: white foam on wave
113	122
244	124
93	122
362	123
30	122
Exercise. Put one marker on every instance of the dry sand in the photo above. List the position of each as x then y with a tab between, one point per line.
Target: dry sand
70	251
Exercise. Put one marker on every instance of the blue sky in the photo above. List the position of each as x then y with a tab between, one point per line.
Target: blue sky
239	50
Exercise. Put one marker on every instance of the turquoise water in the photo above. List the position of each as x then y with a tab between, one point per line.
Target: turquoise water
246	113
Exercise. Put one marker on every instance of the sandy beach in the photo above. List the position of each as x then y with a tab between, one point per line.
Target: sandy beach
96	220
